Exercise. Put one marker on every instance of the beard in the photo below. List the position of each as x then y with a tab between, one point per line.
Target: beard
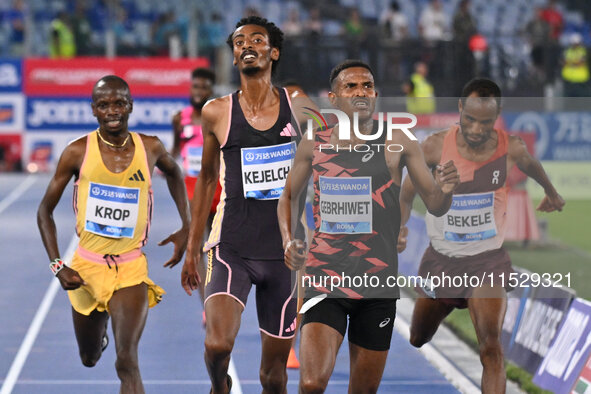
476	144
250	71
198	105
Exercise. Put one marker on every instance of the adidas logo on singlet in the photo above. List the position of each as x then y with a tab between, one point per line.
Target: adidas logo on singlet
288	131
138	176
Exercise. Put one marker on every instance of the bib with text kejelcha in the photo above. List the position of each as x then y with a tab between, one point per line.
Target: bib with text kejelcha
345	205
471	217
112	211
265	169
194	154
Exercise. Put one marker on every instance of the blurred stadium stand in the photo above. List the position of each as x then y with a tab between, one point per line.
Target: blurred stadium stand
197	27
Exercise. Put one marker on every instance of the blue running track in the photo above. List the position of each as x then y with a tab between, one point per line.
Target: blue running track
171	349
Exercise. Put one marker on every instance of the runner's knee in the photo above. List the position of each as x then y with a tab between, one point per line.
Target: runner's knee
273	380
491	351
127	362
217	347
313	385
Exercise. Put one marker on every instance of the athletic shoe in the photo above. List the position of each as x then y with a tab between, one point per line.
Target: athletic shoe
105	339
104	342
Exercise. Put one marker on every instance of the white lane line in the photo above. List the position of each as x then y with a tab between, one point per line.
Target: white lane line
17	192
236	386
35	327
454	375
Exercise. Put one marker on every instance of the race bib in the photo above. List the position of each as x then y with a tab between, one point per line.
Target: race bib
193	160
471	217
265	169
345	205
112	211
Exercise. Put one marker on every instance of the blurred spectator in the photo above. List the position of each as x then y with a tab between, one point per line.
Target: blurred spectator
537	32
354	34
394	23
394	28
61	40
554	18
99	14
81	29
419	92
292	27
16	21
164	28
433	22
575	69
123	31
314	23
464	26
212	37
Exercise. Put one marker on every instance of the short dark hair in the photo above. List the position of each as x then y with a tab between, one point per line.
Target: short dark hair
348	64
275	34
205	73
483	87
112	79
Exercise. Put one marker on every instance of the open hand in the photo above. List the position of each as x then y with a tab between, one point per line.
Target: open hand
189	276
179	239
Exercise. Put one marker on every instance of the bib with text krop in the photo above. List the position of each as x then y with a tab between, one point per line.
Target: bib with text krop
345	205
265	169
112	211
470	218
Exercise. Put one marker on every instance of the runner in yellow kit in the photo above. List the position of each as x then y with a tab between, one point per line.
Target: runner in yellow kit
113	206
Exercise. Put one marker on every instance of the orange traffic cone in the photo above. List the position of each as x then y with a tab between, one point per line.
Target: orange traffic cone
292	360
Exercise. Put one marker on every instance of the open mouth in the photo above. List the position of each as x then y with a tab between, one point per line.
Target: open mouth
361	104
474	139
248	56
114	122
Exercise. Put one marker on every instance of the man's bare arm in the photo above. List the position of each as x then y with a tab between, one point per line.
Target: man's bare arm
296	183
176	130
533	168
68	166
300	103
204	189
436	193
176	187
